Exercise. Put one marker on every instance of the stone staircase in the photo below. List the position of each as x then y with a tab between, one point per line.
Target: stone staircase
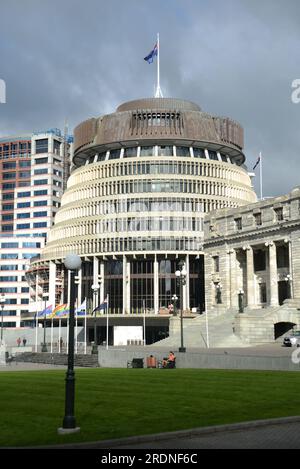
90	361
220	332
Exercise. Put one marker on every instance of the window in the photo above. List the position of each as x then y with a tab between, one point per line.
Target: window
165	150
238	223
8	196
9	245
31	244
40	203
56	146
9	165
41	145
130	152
114	154
9	278
7	207
9	185
24	174
147	151
7	217
23	215
25	290
40	182
11	301
25	301
41	160
279	213
8	267
282	256
41	171
9	256
9	175
8	290
41	192
257	219
199	153
24	184
216	261
24	164
213	155
40	214
23	194
182	151
40	225
23	204
7	227
23	226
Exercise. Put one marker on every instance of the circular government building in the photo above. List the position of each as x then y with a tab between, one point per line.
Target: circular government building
142	180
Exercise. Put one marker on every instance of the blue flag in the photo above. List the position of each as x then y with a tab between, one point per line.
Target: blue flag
152	54
45	312
103	305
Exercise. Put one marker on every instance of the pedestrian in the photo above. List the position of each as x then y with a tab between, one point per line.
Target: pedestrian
18	341
24	342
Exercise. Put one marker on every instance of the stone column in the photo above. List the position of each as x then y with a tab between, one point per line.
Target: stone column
250	277
156	285
273	274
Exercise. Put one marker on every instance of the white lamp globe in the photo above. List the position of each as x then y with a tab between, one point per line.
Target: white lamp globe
177	273
72	262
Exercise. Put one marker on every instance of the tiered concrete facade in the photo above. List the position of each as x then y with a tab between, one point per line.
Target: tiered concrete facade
134	206
252	262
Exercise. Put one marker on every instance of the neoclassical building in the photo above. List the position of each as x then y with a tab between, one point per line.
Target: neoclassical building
253	252
143	179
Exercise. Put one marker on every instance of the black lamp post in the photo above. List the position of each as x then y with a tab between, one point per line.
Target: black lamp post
2	301
44	346
241	300
95	289
72	263
181	276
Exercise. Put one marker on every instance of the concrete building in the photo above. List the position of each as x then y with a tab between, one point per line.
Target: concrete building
143	179
33	170
252	254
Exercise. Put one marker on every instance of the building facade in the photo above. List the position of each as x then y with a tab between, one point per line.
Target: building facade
144	177
252	265
33	170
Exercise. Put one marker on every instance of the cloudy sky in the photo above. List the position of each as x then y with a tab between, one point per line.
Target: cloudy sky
73	59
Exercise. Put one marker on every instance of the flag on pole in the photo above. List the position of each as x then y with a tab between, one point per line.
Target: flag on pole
149	58
60	311
257	162
82	309
46	312
103	305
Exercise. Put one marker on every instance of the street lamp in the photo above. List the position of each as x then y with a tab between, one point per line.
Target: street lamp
44	346
241	300
181	276
2	301
95	288
72	263
174	299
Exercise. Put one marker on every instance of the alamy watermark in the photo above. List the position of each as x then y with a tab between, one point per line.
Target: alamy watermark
2	92
295	96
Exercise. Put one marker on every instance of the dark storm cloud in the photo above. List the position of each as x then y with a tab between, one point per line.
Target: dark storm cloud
73	59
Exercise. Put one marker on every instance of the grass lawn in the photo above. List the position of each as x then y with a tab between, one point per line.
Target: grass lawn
113	403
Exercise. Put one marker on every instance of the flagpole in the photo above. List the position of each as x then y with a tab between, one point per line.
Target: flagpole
260	175
85	313
206	324
144	323
36	331
51	345
59	334
158	93
107	322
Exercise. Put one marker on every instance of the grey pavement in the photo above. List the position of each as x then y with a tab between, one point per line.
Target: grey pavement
18	366
282	433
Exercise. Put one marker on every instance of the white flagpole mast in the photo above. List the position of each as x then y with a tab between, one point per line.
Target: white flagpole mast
36	331
206	324
85	313
59	335
107	322
144	323
51	346
260	174
158	93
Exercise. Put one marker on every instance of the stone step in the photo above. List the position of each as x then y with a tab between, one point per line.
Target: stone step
58	359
